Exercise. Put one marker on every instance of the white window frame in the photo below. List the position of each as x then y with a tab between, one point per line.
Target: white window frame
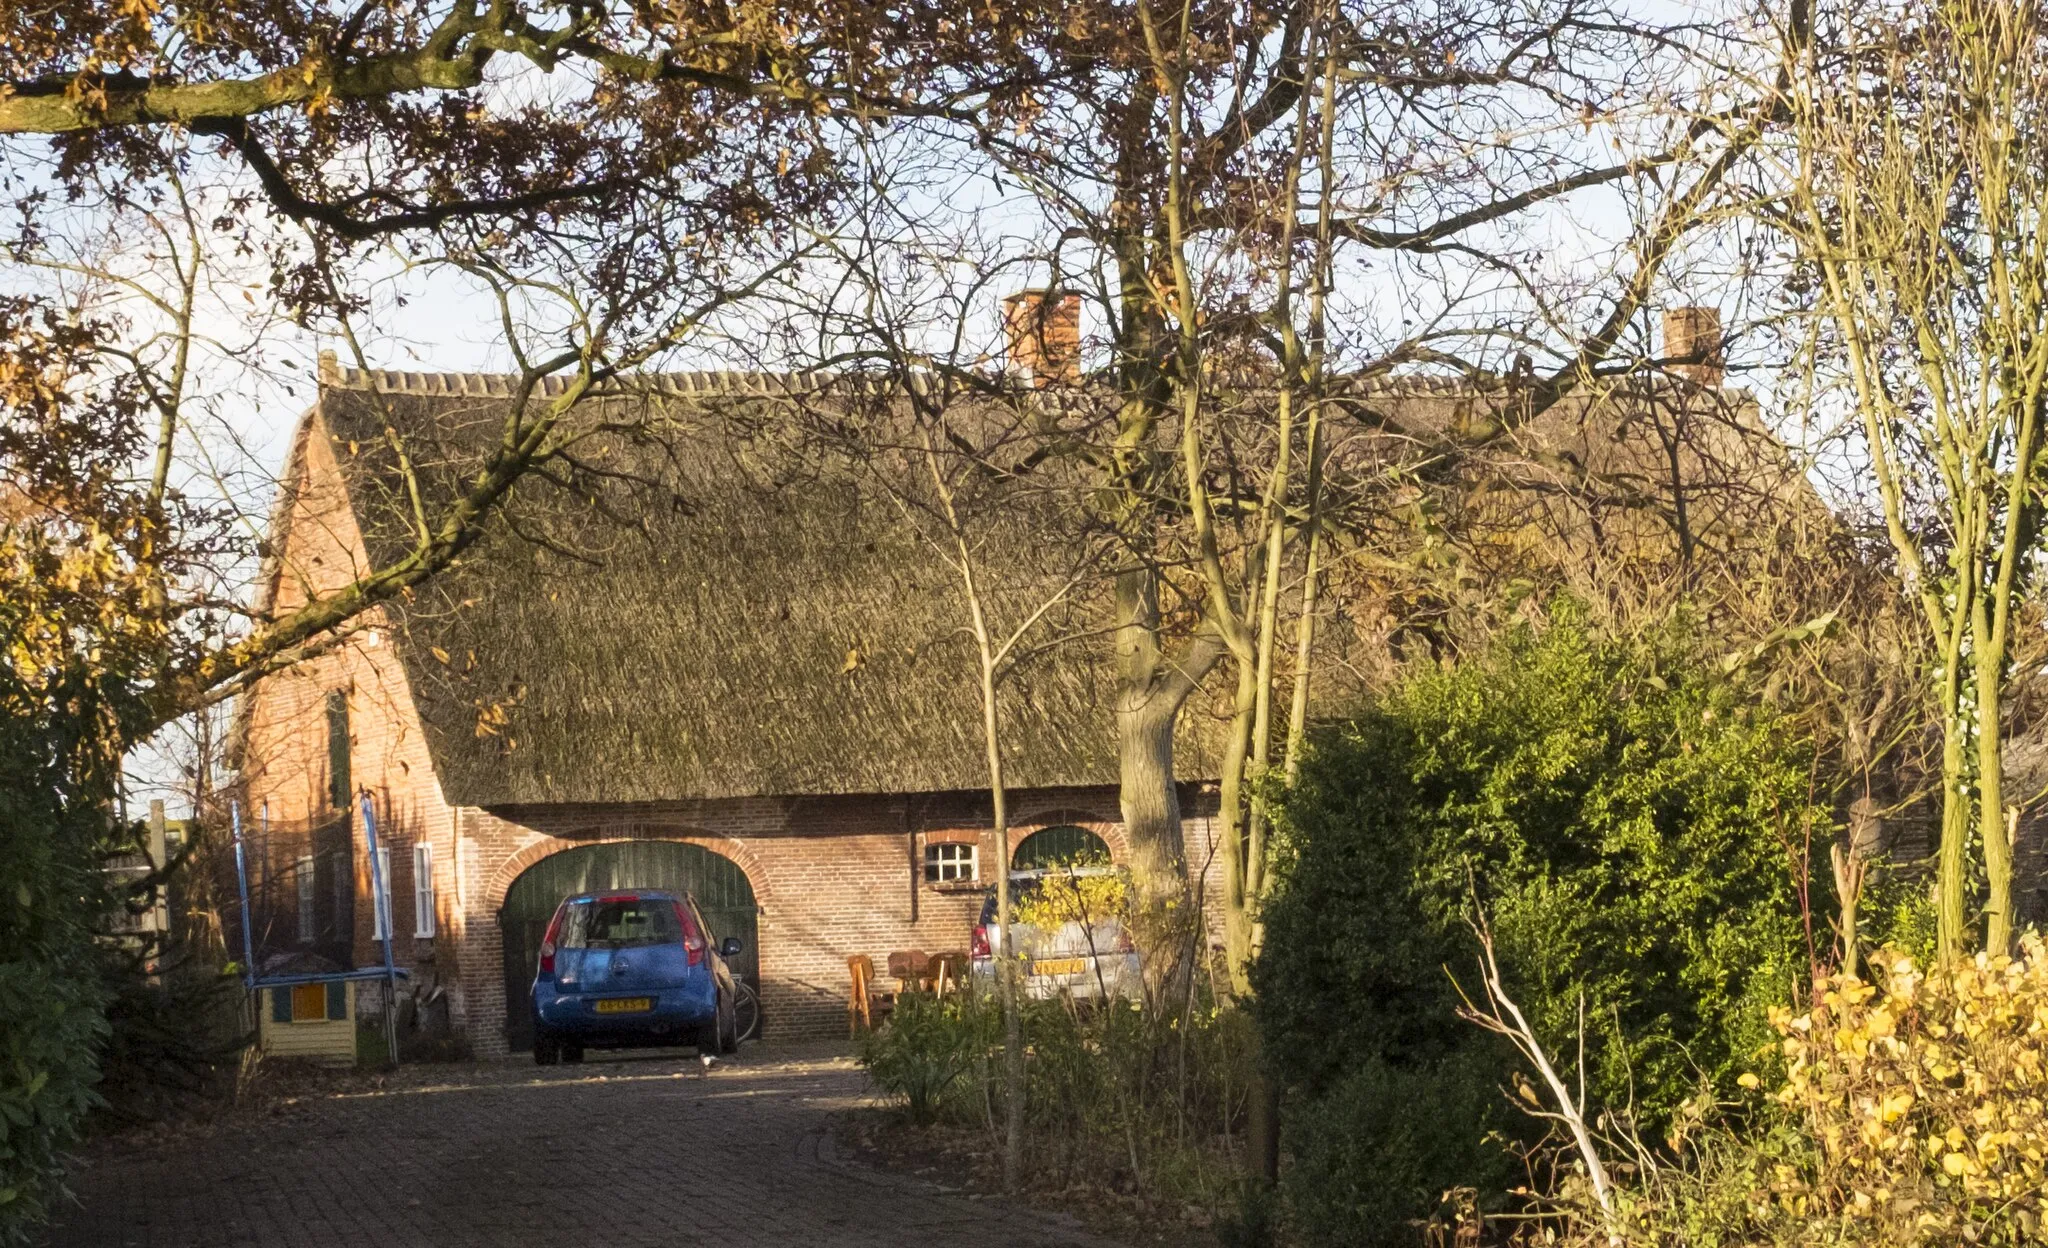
423	891
944	862
380	898
309	915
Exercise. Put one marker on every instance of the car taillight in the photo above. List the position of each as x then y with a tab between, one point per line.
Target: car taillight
977	944
547	943
693	938
1123	941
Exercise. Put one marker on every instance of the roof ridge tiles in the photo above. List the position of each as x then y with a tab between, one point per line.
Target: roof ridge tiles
336	376
711	382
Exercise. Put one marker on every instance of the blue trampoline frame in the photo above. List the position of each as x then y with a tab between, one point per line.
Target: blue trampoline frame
390	973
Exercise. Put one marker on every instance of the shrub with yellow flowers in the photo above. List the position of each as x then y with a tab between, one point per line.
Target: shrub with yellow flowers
1926	1097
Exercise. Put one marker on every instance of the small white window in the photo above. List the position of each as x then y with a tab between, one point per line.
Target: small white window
380	905
307	918
949	861
423	890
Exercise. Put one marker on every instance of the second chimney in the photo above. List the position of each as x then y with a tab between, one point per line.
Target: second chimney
1693	334
1042	333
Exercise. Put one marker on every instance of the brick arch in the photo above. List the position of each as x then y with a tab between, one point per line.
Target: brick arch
517	865
1110	830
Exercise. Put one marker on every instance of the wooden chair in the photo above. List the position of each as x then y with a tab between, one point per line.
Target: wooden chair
910	968
949	971
864	1006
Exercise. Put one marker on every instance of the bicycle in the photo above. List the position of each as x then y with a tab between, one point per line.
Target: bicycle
746	1011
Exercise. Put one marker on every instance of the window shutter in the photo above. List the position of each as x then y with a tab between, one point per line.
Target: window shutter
337	1000
423	890
339	782
280	1005
380	895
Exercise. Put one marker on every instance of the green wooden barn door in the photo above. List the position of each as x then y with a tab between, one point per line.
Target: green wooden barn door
718	884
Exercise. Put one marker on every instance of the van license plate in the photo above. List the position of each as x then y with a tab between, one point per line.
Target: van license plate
1058	966
626	1005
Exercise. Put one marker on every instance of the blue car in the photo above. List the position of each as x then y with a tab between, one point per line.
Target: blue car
620	970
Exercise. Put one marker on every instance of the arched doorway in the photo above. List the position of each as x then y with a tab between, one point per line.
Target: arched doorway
1062	846
719	885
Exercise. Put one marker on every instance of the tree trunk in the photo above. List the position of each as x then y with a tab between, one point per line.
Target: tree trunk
1006	960
1990	812
999	799
1151	689
1955	816
1149	797
1004	946
1262	1120
1238	869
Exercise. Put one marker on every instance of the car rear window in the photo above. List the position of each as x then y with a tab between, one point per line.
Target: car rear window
621	924
1020	891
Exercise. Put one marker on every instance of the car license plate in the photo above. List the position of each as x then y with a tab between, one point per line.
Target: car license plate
625	1005
1058	966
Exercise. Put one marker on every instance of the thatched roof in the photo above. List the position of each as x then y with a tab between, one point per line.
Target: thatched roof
698	611
702	608
1628	468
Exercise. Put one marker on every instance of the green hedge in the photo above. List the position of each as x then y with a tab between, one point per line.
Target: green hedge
1625	813
50	1029
52	991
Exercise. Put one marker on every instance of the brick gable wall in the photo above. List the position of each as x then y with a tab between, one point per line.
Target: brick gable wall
284	755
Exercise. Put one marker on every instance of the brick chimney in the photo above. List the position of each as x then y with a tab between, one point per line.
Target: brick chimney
1042	335
1695	332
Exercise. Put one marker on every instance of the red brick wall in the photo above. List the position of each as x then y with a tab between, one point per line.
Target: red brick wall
833	877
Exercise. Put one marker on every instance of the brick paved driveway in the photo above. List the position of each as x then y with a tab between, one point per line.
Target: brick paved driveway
625	1152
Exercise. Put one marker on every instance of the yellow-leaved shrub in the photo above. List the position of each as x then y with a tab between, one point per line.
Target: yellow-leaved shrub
1926	1099
1913	1111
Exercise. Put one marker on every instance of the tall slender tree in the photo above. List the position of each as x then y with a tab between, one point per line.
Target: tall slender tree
1913	167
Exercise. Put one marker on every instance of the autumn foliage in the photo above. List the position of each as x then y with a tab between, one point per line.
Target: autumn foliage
1926	1097
1910	1109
